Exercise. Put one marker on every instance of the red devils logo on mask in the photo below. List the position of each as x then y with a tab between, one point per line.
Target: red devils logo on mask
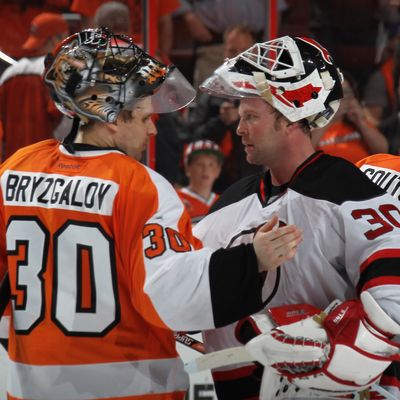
297	97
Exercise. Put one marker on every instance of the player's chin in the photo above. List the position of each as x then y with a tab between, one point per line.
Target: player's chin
250	157
249	149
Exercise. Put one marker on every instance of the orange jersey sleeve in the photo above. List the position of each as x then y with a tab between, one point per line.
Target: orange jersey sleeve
86	247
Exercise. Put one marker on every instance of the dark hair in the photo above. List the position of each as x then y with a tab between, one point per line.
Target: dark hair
303	123
126	115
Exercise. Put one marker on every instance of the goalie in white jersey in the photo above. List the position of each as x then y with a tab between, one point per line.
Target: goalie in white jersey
287	87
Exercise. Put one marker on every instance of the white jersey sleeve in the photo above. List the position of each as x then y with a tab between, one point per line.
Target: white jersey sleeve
187	286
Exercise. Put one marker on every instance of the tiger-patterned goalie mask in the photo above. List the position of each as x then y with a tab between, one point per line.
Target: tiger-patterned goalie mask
95	74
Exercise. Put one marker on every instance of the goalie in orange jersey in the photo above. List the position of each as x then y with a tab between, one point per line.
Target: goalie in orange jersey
101	261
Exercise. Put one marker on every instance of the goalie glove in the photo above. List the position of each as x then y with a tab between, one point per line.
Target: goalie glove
342	353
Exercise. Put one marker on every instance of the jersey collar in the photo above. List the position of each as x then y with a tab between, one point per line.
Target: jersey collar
84	149
268	192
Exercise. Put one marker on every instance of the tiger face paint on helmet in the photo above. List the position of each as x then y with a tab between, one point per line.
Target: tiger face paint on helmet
94	74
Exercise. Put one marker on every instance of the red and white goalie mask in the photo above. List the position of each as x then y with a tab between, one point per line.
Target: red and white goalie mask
296	76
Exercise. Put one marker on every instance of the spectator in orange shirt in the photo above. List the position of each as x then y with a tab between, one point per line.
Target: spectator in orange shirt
27	113
350	135
203	162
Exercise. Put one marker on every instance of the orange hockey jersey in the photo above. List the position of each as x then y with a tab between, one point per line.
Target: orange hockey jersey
102	270
384	170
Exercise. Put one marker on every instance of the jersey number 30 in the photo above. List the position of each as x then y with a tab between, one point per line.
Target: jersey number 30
28	240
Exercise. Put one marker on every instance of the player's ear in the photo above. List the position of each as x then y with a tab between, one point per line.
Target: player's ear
292	126
112	126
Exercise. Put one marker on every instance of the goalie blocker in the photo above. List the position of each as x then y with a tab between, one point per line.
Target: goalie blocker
344	352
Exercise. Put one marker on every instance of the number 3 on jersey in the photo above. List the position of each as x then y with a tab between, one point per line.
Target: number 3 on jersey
384	220
28	240
162	238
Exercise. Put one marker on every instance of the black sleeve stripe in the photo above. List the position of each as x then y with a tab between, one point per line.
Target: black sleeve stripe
391	376
275	289
235	284
242	233
384	267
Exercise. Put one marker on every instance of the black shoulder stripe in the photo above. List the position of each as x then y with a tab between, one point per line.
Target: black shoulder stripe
238	191
336	180
384	267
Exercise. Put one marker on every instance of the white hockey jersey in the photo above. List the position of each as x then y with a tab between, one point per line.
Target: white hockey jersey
351	231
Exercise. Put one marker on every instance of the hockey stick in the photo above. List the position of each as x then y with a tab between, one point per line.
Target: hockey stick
383	392
192	343
236	355
4	57
233	355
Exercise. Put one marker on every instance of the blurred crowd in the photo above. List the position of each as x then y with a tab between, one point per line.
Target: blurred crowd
197	35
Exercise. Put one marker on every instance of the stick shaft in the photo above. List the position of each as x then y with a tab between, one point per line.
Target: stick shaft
6	58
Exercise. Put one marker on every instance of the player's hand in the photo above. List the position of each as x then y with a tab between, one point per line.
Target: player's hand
275	245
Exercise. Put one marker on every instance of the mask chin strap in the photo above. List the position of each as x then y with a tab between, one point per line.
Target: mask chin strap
322	118
70	138
74	80
263	86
